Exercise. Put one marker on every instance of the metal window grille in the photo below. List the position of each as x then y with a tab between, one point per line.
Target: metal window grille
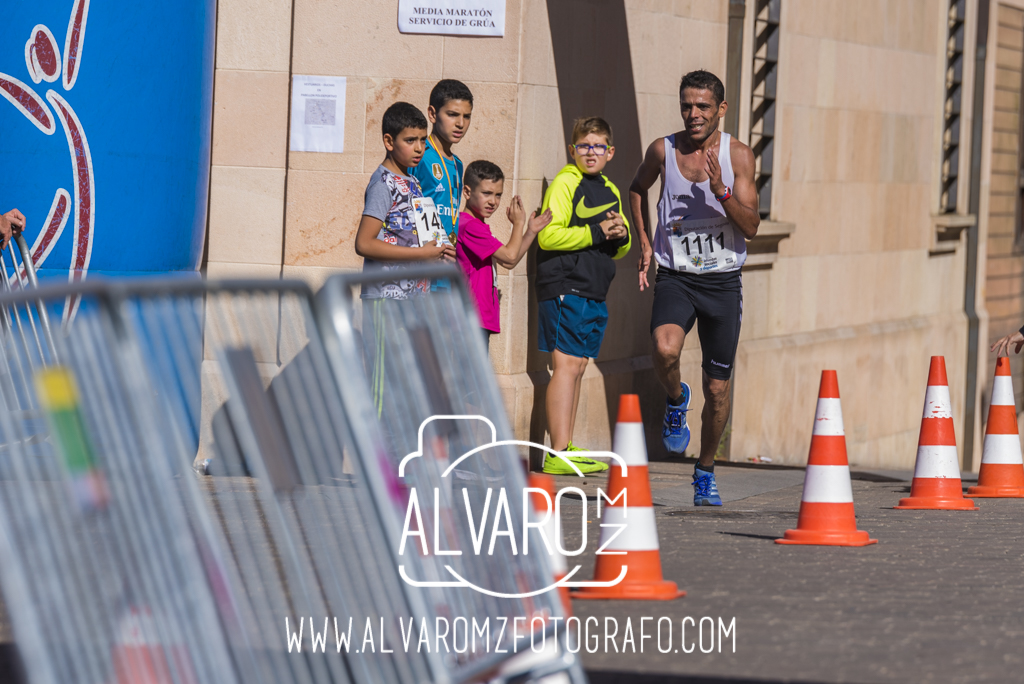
952	105
762	120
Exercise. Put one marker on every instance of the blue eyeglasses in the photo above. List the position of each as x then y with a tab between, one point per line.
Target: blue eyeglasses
599	150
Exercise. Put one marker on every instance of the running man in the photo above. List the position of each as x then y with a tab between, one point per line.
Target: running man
707	209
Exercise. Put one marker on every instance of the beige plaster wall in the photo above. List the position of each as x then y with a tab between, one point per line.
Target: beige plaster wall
854	288
250	138
1004	268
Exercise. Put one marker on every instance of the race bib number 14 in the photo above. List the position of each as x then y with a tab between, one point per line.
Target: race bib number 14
428	223
704	246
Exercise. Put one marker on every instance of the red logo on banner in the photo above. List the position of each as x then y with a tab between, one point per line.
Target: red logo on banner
43	60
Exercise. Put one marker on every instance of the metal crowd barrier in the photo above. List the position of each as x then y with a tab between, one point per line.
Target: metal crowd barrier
121	565
103	577
280	442
434	398
26	321
36	319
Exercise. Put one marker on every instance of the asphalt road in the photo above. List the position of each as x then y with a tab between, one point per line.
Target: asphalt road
940	598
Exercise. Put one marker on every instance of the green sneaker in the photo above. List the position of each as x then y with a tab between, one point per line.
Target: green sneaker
554	465
573	447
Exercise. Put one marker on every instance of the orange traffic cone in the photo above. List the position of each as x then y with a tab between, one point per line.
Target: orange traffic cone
552	529
635	547
826	507
1002	468
936	482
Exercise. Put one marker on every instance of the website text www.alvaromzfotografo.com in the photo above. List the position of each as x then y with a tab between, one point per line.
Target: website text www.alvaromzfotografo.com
503	635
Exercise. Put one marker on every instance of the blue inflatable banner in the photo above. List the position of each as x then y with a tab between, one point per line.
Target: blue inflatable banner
105	132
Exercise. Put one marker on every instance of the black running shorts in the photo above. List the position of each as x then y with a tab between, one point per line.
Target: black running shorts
714	301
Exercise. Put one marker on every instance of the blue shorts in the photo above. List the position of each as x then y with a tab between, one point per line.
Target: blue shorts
571	324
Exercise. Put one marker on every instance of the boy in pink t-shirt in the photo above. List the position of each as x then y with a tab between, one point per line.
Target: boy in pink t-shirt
477	250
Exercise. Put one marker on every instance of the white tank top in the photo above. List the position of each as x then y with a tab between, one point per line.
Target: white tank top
693	234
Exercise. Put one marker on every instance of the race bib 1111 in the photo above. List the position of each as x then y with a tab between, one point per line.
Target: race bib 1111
704	246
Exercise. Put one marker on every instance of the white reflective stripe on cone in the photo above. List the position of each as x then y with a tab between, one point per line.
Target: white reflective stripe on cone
1002	391
936	461
630	444
827	484
937	403
558	564
640	533
1002	449
828	418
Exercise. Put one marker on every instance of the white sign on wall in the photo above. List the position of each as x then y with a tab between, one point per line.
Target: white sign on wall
452	17
318	114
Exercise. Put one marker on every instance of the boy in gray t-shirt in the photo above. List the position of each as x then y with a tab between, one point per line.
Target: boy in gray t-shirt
387	234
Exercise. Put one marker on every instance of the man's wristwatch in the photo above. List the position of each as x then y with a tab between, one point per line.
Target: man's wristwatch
725	195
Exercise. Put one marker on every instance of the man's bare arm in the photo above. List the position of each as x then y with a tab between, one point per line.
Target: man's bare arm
647	173
741	208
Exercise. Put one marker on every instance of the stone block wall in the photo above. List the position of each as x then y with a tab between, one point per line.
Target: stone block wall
855	287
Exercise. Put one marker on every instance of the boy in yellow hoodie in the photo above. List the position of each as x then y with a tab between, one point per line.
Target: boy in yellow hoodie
575	268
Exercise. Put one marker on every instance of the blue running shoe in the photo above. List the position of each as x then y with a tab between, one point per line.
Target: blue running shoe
705	489
675	434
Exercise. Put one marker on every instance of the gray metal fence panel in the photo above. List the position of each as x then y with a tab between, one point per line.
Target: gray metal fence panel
424	363
121	564
103	578
128	567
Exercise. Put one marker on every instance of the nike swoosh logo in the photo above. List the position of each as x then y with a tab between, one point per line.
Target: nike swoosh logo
585	212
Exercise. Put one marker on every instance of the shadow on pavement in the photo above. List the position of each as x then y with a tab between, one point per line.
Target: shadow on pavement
867	476
769	537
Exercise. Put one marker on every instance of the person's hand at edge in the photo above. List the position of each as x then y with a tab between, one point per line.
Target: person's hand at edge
1002	346
10	223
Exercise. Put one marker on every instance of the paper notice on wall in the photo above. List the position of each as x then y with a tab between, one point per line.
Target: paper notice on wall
452	17
318	114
